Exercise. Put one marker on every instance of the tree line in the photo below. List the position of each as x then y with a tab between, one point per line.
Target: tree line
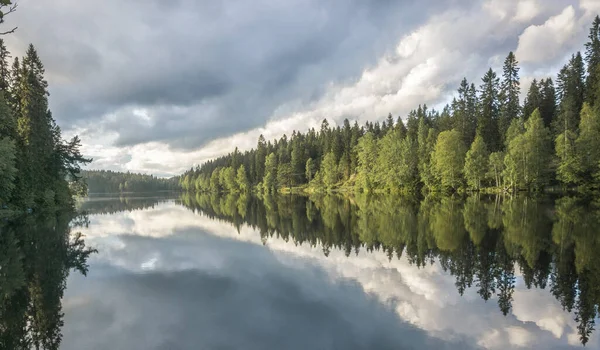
107	181
485	138
481	239
37	167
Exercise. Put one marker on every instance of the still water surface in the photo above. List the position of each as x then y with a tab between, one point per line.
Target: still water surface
231	272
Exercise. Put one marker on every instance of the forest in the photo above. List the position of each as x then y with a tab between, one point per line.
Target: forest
485	139
484	241
37	167
106	181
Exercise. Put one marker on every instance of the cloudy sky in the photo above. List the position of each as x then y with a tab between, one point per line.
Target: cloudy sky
166	278
157	86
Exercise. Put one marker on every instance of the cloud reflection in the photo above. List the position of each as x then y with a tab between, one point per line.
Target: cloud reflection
172	279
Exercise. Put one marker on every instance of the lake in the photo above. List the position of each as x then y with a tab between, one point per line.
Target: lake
289	272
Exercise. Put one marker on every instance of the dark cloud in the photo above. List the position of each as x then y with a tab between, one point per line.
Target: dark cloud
227	66
228	295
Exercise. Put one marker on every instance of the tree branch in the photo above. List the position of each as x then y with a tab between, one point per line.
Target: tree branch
11	9
9	32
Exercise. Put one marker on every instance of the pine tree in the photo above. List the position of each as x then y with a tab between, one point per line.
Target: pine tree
367	157
487	119
548	101
509	94
426	145
310	169
5	74
592	58
533	99
259	159
476	163
570	90
8	169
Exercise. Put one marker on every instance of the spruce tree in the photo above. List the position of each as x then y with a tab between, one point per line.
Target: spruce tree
509	94
548	101
592	58
487	118
570	90
533	99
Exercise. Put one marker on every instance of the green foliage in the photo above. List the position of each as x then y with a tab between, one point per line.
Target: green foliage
106	181
36	164
527	158
449	159
587	144
285	175
215	180
509	94
8	170
367	157
227	179
402	154
270	179
569	163
329	170
496	167
481	241
476	163
243	184
310	169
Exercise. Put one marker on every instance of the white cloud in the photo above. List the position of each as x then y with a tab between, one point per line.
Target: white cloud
527	10
545	42
592	7
424	67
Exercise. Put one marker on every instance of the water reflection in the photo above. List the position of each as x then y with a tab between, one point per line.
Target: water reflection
484	242
36	255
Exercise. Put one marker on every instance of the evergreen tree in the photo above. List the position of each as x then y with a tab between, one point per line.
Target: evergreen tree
592	58
548	101
8	170
260	158
464	109
367	157
487	120
570	90
284	175
533	99
426	140
509	94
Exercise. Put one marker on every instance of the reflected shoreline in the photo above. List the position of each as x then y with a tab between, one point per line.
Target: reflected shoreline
481	240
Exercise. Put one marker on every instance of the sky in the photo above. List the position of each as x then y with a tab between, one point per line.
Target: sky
166	278
159	86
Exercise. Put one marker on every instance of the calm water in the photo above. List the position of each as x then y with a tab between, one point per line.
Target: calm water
209	272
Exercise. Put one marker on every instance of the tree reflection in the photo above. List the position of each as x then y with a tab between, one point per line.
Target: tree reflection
480	239
36	255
